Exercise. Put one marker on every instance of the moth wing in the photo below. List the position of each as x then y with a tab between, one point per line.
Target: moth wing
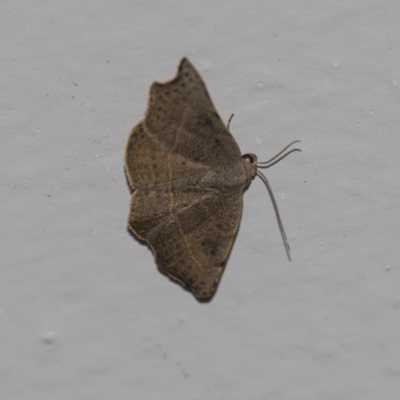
149	164
191	234
181	116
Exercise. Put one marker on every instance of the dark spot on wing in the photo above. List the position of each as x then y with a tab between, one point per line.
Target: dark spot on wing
204	120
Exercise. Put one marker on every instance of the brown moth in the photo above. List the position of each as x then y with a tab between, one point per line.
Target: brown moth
187	176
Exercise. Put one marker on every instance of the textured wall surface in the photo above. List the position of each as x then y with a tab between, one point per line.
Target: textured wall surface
84	313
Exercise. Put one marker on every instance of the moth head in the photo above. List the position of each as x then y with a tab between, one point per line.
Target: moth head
250	165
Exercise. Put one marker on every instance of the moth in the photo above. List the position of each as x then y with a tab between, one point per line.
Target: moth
187	177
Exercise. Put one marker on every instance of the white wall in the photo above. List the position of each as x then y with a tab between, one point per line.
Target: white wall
85	314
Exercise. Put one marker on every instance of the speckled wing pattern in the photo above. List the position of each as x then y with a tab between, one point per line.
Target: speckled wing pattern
185	170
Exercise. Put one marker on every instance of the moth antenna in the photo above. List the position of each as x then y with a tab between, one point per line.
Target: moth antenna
229	121
271	195
264	164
